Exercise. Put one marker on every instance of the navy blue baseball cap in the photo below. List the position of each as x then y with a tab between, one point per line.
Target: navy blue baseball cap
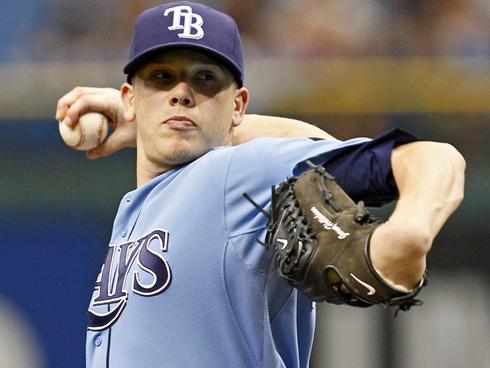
189	25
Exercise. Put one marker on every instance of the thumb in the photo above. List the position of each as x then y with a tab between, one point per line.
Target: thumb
104	150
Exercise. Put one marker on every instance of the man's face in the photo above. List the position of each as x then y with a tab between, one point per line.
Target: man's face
184	104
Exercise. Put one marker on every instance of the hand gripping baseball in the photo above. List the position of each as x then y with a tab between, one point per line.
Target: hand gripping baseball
107	101
321	238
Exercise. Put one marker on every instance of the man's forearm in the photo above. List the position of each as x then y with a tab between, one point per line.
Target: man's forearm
430	180
255	126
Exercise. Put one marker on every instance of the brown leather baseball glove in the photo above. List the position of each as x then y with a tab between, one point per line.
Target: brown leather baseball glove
320	239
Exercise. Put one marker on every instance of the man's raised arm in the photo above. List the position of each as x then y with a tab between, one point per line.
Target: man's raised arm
81	100
430	180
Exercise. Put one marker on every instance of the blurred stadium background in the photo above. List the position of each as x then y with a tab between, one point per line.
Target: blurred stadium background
351	67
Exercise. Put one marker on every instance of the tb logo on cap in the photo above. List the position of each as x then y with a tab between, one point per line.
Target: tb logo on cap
192	22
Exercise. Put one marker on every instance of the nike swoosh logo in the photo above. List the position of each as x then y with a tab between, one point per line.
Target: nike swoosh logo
371	290
283	242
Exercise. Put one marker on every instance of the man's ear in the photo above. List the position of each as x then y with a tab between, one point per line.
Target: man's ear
127	96
240	106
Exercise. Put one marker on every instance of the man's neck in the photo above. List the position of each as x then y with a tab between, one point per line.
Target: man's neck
146	172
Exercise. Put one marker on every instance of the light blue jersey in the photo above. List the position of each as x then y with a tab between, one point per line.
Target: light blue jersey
186	284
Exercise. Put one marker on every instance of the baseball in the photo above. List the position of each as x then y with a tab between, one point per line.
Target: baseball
89	132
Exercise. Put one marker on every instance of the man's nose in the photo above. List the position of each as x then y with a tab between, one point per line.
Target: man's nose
182	95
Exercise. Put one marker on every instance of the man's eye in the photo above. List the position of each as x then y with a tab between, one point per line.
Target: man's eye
160	75
206	76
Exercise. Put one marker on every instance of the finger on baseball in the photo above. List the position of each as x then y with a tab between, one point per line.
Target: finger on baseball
105	149
66	101
86	103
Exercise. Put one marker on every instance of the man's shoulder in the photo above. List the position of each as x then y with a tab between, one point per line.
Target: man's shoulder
266	146
252	149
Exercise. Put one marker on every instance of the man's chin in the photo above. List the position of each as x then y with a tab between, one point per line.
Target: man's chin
181	156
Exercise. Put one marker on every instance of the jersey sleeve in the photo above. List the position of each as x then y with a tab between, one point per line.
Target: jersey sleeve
257	165
362	166
364	171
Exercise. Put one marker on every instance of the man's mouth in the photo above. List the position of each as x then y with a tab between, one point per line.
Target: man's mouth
180	123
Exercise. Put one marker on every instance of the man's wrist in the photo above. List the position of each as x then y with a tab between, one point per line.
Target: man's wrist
398	254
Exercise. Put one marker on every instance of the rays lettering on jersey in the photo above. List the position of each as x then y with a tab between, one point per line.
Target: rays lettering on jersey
111	284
